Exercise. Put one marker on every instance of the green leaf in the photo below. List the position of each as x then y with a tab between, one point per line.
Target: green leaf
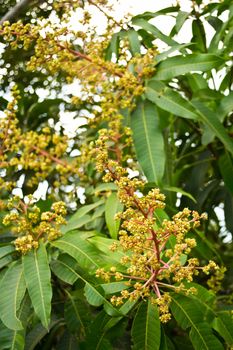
113	287
202	337
47	106
75	224
148	15
94	293
68	342
148	140
223	324
188	313
209	118
76	245
105	187
215	22
206	300
227	80
147	38
104	245
213	46
15	340
169	100
226	168
165	343
179	190
6	260
97	335
160	57
180	19
196	81
12	290
64	268
80	218
113	47
34	337
112	207
228	210
6	249
11	340
76	315
205	247
134	42
226	106
199	37
94	296
178	65
37	275
146	327
153	30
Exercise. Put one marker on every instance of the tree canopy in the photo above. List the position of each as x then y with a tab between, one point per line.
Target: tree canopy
130	245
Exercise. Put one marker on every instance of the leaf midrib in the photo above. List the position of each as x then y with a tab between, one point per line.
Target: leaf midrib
168	68
191	322
148	143
76	311
40	288
16	295
80	251
172	102
226	329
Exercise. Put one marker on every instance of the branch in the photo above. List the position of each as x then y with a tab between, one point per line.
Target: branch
16	10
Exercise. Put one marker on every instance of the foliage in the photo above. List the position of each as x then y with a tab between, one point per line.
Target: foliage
117	268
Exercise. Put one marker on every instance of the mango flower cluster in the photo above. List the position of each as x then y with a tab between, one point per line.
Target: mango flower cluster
42	153
30	225
156	253
113	84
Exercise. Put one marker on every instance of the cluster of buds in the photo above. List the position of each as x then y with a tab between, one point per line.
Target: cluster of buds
30	225
42	153
116	84
156	253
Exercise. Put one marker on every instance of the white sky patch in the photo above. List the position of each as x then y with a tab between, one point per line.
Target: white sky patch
71	122
41	191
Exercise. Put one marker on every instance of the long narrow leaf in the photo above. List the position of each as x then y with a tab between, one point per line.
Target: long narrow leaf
134	42
34	337
77	246
11	340
209	118
153	30
226	168
226	106
148	15
80	218
6	249
148	140
63	268
12	290
202	337
169	100
112	207
177	65
146	330
15	339
37	275
160	57
180	19
188	313
223	324
76	315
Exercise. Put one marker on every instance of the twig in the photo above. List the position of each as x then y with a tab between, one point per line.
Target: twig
15	11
